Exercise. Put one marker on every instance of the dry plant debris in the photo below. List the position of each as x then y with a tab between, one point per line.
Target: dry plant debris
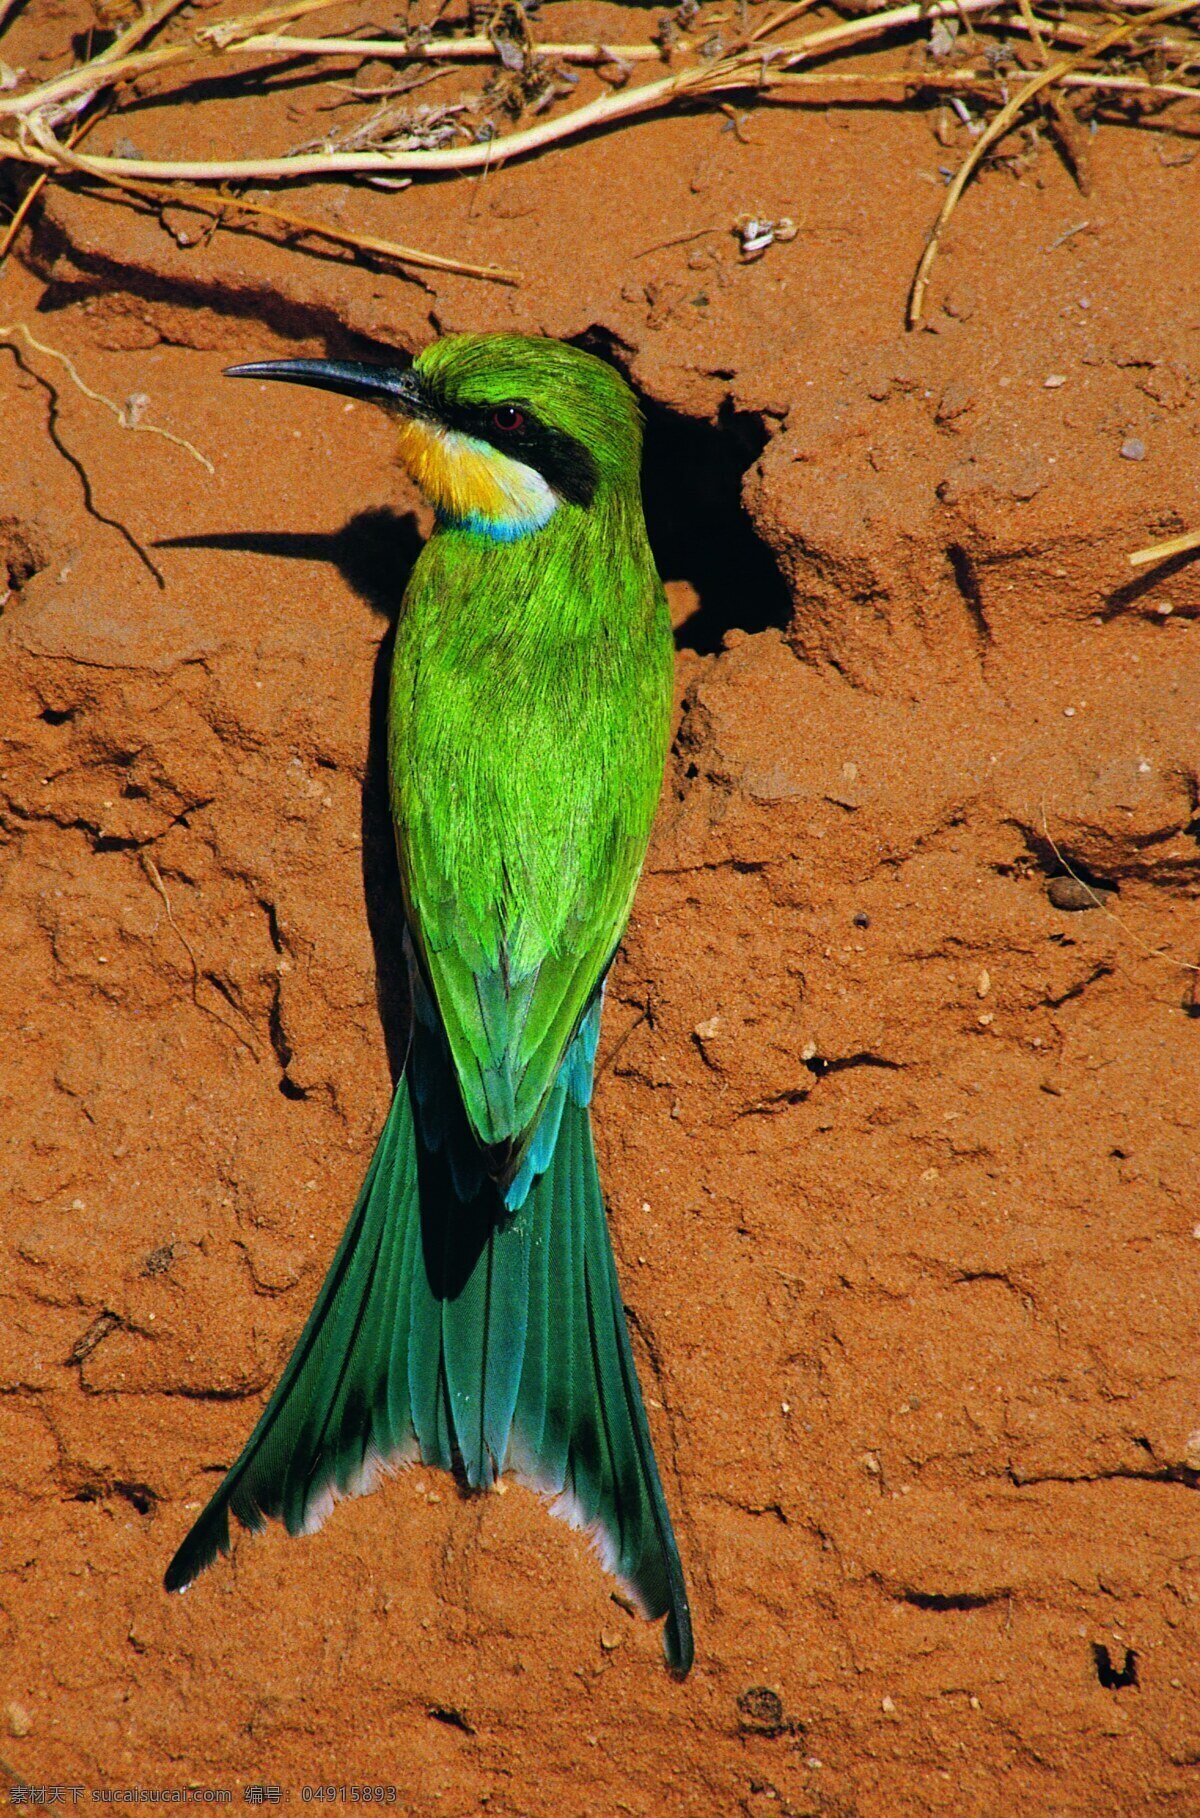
1019	68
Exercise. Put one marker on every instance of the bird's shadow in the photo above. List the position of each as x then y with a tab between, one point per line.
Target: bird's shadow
374	552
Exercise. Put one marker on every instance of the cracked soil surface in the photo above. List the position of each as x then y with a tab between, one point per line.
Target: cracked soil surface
901	1154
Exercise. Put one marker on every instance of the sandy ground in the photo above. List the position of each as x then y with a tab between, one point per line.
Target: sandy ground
901	1153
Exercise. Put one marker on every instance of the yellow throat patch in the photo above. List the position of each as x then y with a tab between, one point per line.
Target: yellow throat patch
472	484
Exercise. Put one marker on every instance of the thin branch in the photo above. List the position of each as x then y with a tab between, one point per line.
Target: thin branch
214	203
784	18
154	874
116	64
747	68
1034	30
1099	903
446	50
979	81
998	126
122	415
138	31
20	213
1162	552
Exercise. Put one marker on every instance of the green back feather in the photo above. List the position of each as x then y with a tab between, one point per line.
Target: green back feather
530	713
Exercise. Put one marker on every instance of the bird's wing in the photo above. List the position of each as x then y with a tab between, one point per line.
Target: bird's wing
526	755
509	1014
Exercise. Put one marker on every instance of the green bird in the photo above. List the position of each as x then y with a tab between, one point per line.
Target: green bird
472	1316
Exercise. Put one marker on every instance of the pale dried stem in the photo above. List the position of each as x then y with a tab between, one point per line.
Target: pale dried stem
214	203
443	50
98	397
757	66
1162	552
973	79
155	875
137	32
998	126
745	68
784	18
1098	902
1032	27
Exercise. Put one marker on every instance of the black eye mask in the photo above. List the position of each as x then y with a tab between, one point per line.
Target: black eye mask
563	463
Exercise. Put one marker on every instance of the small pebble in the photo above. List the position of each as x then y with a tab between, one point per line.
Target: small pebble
1072	893
1053	380
1165	608
1132	449
1191	1452
18	1719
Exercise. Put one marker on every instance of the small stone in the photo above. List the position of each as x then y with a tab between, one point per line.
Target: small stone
18	1719
1073	893
706	1031
959	304
1191	1451
887	1706
1164	609
1133	449
1029	481
955	401
1054	380
610	1639
760	1711
983	983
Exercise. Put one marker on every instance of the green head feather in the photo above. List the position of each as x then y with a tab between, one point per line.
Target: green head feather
570	394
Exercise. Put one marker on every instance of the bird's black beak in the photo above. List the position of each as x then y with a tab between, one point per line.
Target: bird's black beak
395	387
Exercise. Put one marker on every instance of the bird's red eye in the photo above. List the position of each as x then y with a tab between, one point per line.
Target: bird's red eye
508	417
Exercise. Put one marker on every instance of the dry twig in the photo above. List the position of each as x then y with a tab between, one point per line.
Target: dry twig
119	412
212	202
758	62
997	128
1098	902
1162	552
153	873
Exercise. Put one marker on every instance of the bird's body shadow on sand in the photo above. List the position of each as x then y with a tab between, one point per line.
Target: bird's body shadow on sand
374	552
